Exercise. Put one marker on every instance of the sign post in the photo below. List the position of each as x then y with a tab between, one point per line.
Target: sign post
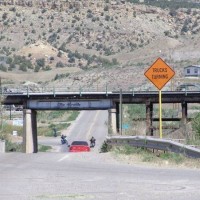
160	113
159	74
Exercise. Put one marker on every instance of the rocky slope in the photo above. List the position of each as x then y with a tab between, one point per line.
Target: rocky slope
104	42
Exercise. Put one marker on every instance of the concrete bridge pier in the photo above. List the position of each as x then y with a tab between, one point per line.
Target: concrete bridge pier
30	144
184	112
112	120
117	118
184	119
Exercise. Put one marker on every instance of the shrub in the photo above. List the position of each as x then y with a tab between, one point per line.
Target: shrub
59	54
9	60
51	58
3	68
71	60
114	61
174	157
43	11
47	68
10	147
59	64
40	62
37	68
43	148
12	66
107	17
106	8
23	67
196	126
13	9
105	147
173	12
33	31
60	76
52	38
5	23
89	15
184	29
4	16
59	30
167	33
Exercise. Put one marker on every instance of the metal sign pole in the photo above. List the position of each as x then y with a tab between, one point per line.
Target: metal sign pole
159	74
160	112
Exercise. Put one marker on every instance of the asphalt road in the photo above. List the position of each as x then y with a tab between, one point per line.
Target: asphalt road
87	124
90	176
63	175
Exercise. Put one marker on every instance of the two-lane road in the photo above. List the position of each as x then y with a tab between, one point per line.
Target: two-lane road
90	176
87	124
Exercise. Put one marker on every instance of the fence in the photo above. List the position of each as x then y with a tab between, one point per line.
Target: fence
155	143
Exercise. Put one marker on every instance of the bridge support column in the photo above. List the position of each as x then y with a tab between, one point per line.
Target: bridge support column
112	120
184	112
184	119
117	117
149	115
30	132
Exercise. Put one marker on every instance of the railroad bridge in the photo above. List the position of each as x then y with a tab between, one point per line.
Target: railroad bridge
92	100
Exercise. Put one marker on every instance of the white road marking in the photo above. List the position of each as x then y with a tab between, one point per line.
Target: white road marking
63	158
92	124
70	129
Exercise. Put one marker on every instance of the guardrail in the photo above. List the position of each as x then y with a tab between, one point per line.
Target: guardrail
155	143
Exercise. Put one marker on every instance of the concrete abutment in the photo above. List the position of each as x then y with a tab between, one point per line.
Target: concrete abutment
30	144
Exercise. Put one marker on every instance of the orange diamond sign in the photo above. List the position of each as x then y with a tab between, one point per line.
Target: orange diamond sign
159	73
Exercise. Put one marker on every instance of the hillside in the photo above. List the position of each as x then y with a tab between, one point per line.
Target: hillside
93	43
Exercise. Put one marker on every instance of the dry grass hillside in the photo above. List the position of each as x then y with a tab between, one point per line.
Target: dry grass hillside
94	43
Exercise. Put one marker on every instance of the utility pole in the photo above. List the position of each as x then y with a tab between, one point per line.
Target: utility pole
0	85
1	109
120	112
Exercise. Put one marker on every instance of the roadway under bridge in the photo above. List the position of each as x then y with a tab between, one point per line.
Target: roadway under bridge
106	100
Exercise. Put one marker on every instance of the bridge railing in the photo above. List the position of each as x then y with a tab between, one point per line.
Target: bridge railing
75	88
66	88
155	143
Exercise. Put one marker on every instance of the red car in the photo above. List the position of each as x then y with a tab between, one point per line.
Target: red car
79	146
